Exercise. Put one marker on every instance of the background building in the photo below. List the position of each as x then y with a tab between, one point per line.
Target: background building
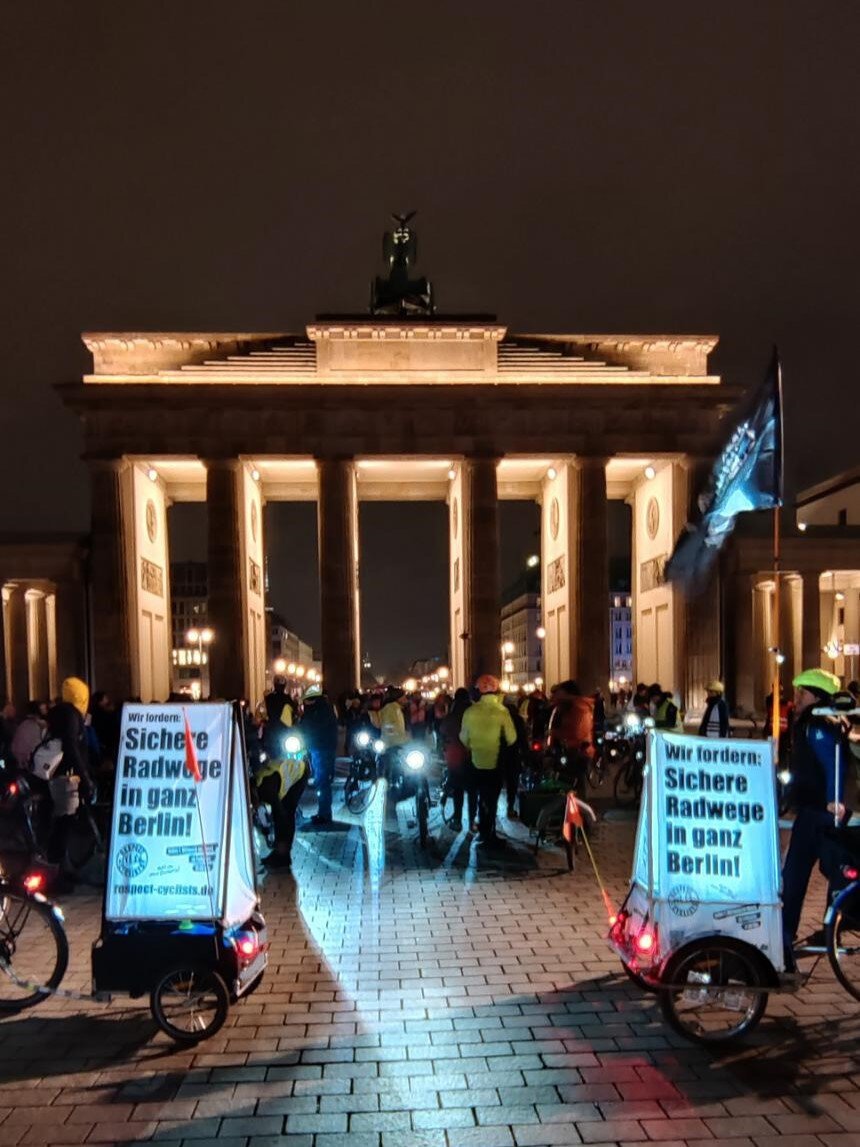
520	622
621	638
190	614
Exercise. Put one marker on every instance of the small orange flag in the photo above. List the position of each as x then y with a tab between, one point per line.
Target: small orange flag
191	752
572	817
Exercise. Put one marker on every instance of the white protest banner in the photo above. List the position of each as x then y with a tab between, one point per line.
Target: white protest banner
709	816
169	839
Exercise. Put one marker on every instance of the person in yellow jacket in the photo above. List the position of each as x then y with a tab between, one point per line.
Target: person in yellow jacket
280	781
486	724
392	723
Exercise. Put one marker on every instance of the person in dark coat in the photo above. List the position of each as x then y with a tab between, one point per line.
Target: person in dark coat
319	728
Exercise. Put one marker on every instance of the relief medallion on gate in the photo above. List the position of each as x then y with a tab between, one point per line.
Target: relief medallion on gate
652	518
554	518
151	515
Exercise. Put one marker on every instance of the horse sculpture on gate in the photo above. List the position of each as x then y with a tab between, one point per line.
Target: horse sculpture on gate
399	294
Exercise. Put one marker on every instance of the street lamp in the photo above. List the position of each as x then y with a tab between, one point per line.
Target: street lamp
444	672
533	560
280	666
508	647
540	633
201	637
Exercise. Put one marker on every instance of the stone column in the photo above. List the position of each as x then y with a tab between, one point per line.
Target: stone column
225	608
37	640
337	523
811	621
481	538
16	621
111	624
788	637
592	573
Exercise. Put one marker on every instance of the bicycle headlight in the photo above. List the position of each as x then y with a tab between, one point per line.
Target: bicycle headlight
633	721
415	759
293	744
783	776
379	746
362	739
650	723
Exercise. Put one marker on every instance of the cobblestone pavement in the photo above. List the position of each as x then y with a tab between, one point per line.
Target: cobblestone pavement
430	1000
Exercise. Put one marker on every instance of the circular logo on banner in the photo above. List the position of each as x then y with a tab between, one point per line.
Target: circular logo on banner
254	520
652	518
683	900
151	520
554	517
132	859
455	516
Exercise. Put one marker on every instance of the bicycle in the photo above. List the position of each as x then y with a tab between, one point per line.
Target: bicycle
34	951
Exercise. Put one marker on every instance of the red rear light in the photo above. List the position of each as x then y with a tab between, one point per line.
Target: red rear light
34	881
247	945
13	789
850	872
645	941
536	746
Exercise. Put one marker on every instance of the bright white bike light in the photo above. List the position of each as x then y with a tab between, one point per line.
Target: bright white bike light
415	759
379	746
362	739
293	744
783	776
633	721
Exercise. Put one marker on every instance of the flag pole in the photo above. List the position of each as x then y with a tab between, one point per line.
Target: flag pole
777	648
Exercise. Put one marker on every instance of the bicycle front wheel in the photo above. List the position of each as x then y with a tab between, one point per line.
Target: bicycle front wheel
842	936
628	786
34	951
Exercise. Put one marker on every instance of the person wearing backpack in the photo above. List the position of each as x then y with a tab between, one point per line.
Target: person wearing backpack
66	724
28	736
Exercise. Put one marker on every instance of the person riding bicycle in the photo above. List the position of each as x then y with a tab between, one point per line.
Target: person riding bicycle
571	727
280	781
817	791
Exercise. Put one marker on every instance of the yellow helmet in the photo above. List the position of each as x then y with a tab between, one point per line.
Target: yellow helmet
817	681
715	686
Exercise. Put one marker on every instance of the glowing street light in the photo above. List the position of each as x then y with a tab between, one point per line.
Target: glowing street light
444	672
279	666
200	637
533	560
508	647
540	633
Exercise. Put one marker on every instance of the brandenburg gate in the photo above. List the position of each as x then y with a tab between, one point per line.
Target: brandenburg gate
361	407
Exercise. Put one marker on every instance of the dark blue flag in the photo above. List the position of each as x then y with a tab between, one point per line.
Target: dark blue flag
746	476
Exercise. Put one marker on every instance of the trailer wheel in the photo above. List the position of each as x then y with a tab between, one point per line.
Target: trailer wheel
720	994
190	1004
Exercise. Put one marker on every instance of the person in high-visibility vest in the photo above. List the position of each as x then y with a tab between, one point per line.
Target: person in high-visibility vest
487	724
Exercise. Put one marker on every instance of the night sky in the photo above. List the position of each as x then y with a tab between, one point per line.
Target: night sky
576	166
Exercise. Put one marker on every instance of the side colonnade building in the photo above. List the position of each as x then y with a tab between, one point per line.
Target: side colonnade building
453	409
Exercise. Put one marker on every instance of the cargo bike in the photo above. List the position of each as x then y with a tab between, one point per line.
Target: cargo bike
181	919
701	925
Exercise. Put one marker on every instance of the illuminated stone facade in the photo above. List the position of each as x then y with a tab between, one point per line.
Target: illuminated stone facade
452	409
